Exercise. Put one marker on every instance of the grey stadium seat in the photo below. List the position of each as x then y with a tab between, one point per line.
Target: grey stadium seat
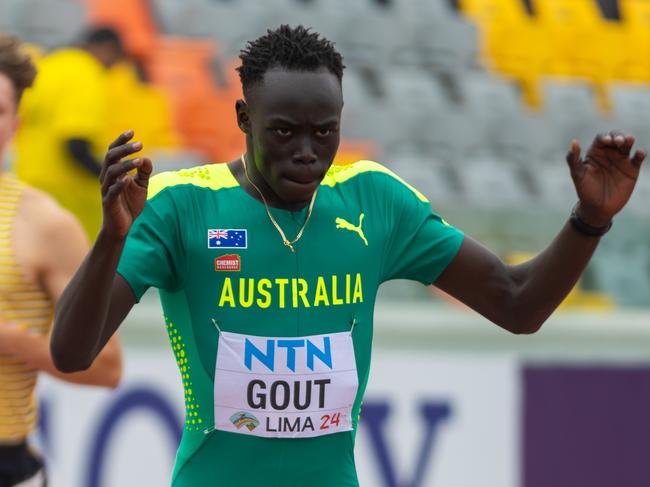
453	138
415	100
491	97
364	39
572	109
418	9
631	110
5	13
557	190
448	45
626	243
48	23
436	180
226	22
490	183
640	200
365	115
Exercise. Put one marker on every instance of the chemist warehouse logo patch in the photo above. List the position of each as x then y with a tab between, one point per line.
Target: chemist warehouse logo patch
227	239
227	263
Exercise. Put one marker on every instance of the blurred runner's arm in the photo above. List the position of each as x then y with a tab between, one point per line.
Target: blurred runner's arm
97	299
520	298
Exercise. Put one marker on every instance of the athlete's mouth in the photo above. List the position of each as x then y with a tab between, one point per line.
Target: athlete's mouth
303	180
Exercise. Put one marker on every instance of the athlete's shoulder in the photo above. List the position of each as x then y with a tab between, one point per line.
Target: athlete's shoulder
42	214
365	171
210	176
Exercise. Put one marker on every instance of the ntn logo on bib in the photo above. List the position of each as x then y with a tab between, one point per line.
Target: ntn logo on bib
291	347
285	387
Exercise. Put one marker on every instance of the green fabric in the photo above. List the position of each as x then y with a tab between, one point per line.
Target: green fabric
329	282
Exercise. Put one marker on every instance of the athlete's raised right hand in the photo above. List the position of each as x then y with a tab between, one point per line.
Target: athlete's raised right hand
123	195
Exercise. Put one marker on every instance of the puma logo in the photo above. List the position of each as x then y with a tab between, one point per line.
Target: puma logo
341	223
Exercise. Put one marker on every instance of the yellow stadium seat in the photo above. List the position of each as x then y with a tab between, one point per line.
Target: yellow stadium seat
581	40
519	51
511	42
491	10
493	17
634	64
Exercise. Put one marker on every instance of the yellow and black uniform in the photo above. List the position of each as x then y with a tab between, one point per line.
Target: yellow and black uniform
67	101
22	302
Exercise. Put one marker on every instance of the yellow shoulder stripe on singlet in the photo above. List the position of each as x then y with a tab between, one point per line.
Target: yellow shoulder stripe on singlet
340	174
218	176
211	176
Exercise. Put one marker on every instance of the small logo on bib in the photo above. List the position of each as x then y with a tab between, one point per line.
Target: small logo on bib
244	419
227	263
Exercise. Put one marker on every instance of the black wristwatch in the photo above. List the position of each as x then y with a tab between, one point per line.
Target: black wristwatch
584	228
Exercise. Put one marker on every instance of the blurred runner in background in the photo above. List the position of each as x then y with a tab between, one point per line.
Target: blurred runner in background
41	245
66	112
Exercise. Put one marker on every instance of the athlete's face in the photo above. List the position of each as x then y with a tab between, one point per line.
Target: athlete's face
8	115
292	122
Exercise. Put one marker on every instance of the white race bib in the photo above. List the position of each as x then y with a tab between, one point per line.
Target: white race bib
284	387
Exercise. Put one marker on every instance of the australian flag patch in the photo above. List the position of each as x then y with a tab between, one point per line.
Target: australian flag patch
227	239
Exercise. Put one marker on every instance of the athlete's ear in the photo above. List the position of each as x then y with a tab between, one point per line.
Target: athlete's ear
243	120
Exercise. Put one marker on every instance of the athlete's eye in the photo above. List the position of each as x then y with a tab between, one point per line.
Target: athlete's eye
324	132
282	132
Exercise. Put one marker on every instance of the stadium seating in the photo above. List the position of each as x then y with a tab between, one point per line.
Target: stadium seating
419	9
5	16
491	184
438	181
129	16
631	109
570	106
476	106
639	201
365	114
46	23
447	45
622	264
556	189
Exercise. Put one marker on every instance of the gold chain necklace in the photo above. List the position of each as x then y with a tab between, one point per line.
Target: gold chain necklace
285	240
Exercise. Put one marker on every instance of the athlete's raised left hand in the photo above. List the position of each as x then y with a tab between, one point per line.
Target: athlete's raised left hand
605	178
123	194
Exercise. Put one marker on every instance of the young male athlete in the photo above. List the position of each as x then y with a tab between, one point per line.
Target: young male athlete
268	268
41	246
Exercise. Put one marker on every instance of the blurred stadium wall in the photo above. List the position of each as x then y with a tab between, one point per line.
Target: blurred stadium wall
472	101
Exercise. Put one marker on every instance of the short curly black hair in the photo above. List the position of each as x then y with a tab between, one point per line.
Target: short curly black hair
294	48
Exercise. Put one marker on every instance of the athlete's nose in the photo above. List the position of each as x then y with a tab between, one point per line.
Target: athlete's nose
304	153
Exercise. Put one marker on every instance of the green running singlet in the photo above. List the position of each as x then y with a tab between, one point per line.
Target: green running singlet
367	226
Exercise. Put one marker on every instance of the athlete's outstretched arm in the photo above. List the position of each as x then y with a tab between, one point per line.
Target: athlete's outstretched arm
520	298
97	299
